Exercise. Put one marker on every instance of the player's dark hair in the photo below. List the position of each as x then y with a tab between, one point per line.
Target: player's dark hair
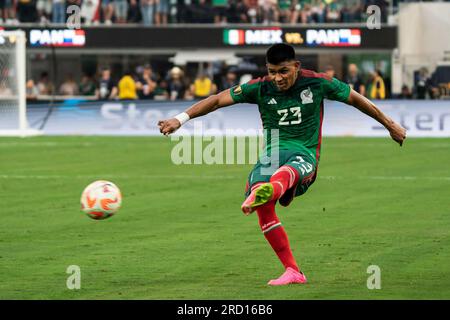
279	53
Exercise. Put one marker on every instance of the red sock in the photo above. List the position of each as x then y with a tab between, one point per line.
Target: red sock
282	180
275	234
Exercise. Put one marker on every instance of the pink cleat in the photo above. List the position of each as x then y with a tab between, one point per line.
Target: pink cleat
288	277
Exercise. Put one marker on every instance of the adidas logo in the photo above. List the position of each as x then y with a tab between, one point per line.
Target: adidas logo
272	101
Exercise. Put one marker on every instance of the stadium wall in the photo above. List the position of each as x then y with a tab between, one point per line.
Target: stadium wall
139	118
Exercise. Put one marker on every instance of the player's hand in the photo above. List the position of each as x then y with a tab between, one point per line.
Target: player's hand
398	133
169	126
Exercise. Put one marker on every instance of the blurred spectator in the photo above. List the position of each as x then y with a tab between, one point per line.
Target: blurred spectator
306	13
220	11
230	80
127	87
26	10
106	89
146	84
87	86
181	11
203	87
161	91
354	80
377	88
44	10
8	12
351	12
318	12
346	15
44	85
74	3
285	8
121	10
162	11
31	90
233	11
176	85
329	71
108	11
147	11
69	87
251	12
134	11
270	11
201	12
5	90
333	14
90	11
406	93
423	85
59	11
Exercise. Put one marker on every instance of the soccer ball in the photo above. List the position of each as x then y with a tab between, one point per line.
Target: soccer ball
101	199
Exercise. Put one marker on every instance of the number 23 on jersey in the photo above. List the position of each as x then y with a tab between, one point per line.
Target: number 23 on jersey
284	113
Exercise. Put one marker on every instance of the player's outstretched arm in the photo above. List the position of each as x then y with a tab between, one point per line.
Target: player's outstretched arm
398	133
205	106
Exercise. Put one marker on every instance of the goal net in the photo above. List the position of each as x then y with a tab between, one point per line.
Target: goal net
13	109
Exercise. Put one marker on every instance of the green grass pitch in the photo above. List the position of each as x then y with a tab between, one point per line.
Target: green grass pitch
180	233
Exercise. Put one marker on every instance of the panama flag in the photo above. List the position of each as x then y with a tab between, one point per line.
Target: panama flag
355	37
234	37
79	39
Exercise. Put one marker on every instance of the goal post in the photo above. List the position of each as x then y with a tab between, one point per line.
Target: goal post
13	104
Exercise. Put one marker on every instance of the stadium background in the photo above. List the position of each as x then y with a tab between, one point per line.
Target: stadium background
394	213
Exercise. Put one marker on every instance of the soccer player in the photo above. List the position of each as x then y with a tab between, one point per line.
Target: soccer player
290	101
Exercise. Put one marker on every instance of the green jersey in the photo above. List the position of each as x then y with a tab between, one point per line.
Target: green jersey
296	114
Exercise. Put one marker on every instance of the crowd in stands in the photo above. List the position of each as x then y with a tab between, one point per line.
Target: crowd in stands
144	83
375	85
140	84
161	12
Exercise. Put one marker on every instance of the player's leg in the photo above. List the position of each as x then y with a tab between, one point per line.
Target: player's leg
272	229
276	236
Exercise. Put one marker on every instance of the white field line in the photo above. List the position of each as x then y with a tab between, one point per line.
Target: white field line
205	177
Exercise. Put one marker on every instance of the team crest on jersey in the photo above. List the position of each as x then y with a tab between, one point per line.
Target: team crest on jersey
237	90
306	96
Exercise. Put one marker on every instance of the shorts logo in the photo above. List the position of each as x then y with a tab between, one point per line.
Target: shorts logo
306	96
237	90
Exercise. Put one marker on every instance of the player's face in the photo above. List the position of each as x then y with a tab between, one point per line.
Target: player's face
283	74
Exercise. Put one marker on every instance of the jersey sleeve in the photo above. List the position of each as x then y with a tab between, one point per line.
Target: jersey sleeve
246	93
336	90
